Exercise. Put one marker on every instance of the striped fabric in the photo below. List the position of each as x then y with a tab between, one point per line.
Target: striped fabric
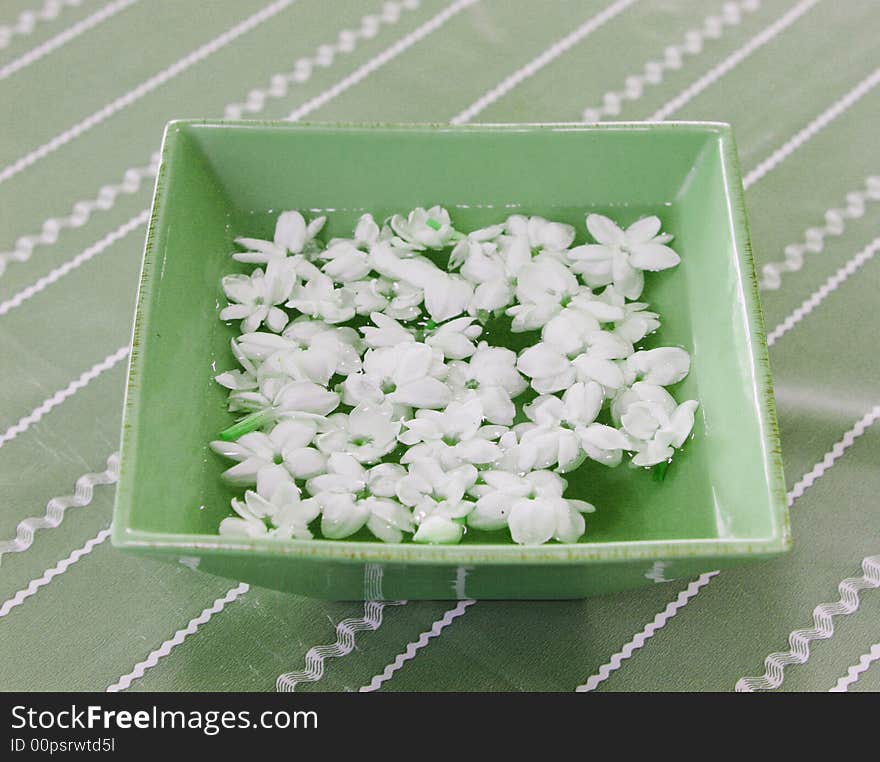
86	86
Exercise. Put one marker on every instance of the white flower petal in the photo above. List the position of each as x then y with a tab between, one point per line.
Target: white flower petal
532	522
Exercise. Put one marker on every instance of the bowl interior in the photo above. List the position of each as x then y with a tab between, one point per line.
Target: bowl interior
219	181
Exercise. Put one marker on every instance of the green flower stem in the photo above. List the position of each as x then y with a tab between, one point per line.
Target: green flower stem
247	424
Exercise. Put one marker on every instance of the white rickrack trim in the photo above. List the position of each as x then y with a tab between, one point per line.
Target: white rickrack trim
17	299
734	59
346	42
539	62
346	631
169	645
412	648
24	423
61	39
813	128
27	20
47	576
823	628
143	89
81	212
814	237
56	508
387	55
693	589
712	28
820	294
857	670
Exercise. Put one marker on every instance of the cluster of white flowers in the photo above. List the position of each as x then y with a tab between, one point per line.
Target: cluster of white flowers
370	401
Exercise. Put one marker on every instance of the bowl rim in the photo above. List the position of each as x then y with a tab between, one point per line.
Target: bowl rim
778	541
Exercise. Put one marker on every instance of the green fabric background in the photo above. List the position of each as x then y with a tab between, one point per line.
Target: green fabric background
108	611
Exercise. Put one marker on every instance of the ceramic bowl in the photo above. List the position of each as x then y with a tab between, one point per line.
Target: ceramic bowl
723	498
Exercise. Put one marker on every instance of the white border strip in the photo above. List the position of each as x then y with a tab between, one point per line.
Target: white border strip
692	590
734	59
47	576
653	72
412	648
813	128
24	423
823	629
143	89
55	509
819	295
169	645
814	237
27	20
857	670
539	62
61	39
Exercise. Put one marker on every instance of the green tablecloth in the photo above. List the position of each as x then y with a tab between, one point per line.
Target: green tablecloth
86	88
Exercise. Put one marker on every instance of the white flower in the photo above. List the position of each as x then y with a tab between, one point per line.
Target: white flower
543	289
285	446
604	444
402	375
424	229
663	366
636	322
387	332
285	512
621	256
653	420
254	298
453	436
291	235
531	505
541	235
437	494
367	433
494	266
352	496
349	258
572	328
490	376
552	438
342	341
455	339
318	298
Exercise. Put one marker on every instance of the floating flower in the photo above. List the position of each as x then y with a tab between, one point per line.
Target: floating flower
367	433
543	289
539	234
254	298
452	437
490	376
292	234
424	229
437	495
349	259
318	298
282	515
621	256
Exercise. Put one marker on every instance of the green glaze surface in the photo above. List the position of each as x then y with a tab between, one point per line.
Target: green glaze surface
722	500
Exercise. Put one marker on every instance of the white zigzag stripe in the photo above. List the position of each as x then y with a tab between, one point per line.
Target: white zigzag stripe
694	588
819	295
345	634
47	576
107	196
143	89
713	27
390	53
412	648
346	42
84	256
814	237
153	659
649	631
834	454
27	20
734	59
823	628
857	670
56	399
539	62
41	51
80	213
813	128
57	506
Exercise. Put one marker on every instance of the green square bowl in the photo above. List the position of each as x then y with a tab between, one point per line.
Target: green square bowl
723	499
